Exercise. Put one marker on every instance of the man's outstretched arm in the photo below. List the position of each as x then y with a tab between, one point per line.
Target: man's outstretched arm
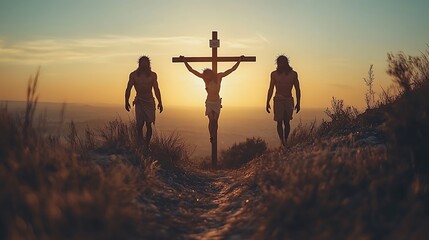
190	69
229	71
128	93
270	94
157	94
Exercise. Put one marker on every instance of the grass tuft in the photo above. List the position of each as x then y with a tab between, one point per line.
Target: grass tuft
241	153
169	150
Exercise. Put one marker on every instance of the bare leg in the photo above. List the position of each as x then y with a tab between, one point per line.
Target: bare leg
148	133
212	129
139	130
213	126
139	123
280	132
287	130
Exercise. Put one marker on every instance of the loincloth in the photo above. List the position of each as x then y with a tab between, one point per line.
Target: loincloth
283	108
213	106
145	110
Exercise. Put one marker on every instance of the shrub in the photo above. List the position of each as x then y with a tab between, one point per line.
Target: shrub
241	153
408	120
408	71
408	126
341	116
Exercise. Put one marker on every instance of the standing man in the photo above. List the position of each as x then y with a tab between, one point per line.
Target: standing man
283	78
143	80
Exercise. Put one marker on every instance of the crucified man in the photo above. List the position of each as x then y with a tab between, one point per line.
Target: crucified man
213	101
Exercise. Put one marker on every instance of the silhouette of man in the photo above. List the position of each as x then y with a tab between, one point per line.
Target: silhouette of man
143	80
283	79
213	101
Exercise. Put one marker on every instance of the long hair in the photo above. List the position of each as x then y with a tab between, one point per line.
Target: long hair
144	66
283	64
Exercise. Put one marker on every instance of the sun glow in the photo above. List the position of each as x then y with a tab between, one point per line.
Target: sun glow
88	59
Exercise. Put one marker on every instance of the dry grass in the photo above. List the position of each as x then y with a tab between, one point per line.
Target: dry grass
55	189
333	189
303	133
324	186
358	193
169	150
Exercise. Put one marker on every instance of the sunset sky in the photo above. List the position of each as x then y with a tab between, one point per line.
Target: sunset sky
86	49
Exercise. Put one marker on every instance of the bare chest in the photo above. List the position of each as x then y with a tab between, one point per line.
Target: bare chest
142	82
284	81
213	87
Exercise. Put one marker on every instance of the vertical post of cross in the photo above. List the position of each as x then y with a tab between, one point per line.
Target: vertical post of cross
214	44
214	47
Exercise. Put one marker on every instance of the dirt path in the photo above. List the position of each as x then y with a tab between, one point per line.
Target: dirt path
190	203
203	205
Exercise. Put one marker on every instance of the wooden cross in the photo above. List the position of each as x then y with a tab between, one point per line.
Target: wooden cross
214	44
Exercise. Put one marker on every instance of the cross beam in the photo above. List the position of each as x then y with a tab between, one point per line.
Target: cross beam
214	59
211	59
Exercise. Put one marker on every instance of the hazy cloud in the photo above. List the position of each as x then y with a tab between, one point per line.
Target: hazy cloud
246	43
341	86
263	38
54	50
41	51
340	61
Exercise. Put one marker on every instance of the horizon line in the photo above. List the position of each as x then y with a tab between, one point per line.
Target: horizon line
95	104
